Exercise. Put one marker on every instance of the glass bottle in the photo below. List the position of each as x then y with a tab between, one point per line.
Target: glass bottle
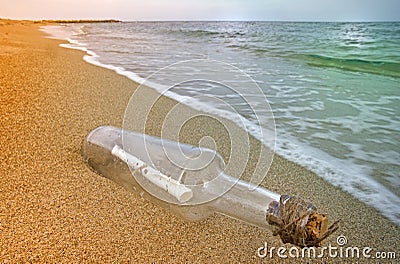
190	182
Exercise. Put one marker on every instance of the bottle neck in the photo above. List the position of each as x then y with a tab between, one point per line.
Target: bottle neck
245	202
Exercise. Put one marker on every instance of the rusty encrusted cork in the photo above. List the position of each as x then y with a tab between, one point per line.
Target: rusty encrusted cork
298	222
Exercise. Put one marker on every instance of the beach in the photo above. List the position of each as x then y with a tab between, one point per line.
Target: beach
55	209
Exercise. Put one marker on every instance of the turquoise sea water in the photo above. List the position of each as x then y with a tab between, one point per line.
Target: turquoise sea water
334	88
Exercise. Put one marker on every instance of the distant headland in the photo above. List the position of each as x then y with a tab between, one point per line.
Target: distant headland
81	21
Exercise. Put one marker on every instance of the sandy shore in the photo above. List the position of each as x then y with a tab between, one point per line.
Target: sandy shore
55	209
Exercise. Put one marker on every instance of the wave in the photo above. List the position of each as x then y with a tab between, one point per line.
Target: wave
386	68
211	33
198	33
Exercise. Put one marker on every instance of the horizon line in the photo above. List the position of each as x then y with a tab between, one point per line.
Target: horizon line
194	20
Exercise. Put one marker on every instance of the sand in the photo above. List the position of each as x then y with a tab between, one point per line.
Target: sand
53	208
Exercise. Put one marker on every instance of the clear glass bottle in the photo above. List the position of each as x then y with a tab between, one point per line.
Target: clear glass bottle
190	182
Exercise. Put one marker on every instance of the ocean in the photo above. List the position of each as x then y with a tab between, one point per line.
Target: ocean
333	88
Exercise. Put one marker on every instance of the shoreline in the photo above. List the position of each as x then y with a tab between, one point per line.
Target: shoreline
65	208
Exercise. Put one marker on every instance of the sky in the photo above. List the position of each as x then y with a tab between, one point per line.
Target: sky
254	10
